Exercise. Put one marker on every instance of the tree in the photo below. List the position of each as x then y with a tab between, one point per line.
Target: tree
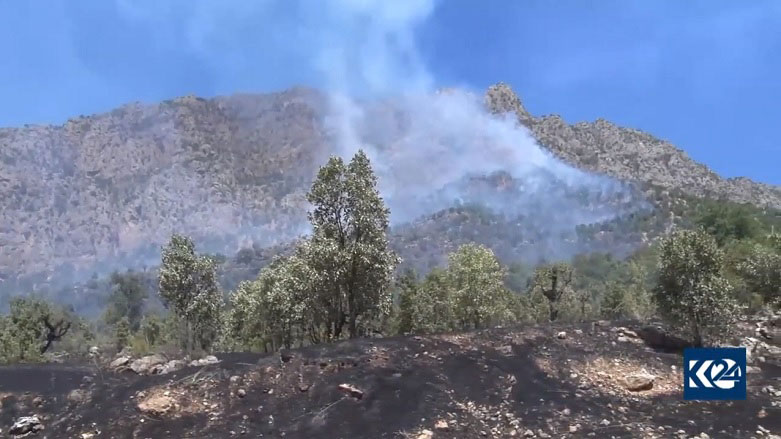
348	251
121	333
408	292
479	295
762	273
274	310
188	285
127	299
554	282
725	221
30	328
692	292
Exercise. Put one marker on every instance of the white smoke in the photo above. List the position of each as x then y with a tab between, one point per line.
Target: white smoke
383	99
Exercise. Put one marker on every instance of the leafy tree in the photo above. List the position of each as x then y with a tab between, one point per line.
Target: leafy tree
127	299
692	292
274	310
188	285
554	282
151	329
121	333
348	251
762	273
408	296
479	295
30	328
725	221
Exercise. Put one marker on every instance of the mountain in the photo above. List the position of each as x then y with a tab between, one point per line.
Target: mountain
105	191
630	154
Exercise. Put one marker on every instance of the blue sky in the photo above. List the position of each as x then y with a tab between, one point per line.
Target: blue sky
705	75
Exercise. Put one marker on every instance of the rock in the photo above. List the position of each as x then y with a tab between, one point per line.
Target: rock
26	424
426	434
119	362
622	339
205	361
37	401
94	351
144	365
639	381
561	335
351	390
241	393
171	366
528	433
753	369
156	405
235	379
77	396
604	422
441	425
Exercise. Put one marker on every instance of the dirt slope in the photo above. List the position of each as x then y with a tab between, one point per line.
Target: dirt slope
523	382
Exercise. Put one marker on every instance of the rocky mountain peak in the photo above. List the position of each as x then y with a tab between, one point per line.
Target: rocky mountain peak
500	99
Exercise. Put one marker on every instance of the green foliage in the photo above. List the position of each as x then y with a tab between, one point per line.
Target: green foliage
129	291
726	221
151	329
348	253
24	331
692	292
761	271
121	333
469	294
188	286
477	281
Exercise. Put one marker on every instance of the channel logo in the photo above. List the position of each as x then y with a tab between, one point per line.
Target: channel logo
714	374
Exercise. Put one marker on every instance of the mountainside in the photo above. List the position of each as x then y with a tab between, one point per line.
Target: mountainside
630	154
229	171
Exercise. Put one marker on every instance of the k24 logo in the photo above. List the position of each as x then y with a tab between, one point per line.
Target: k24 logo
714	374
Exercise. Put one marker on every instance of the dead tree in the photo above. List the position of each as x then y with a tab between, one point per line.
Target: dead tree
554	281
55	332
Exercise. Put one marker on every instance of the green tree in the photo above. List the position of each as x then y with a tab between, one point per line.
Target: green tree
274	310
762	273
477	280
188	285
348	251
725	221
30	328
151	329
121	333
408	292
692	292
127	299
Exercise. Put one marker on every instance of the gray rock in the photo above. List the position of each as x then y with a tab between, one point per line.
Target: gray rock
205	361
639	381
26	424
144	365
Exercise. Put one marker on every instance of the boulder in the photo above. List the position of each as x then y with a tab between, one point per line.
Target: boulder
120	362
144	365
205	361
171	366
156	405
351	390
638	382
26	424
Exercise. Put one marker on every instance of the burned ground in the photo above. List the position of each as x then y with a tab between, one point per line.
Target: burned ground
553	381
